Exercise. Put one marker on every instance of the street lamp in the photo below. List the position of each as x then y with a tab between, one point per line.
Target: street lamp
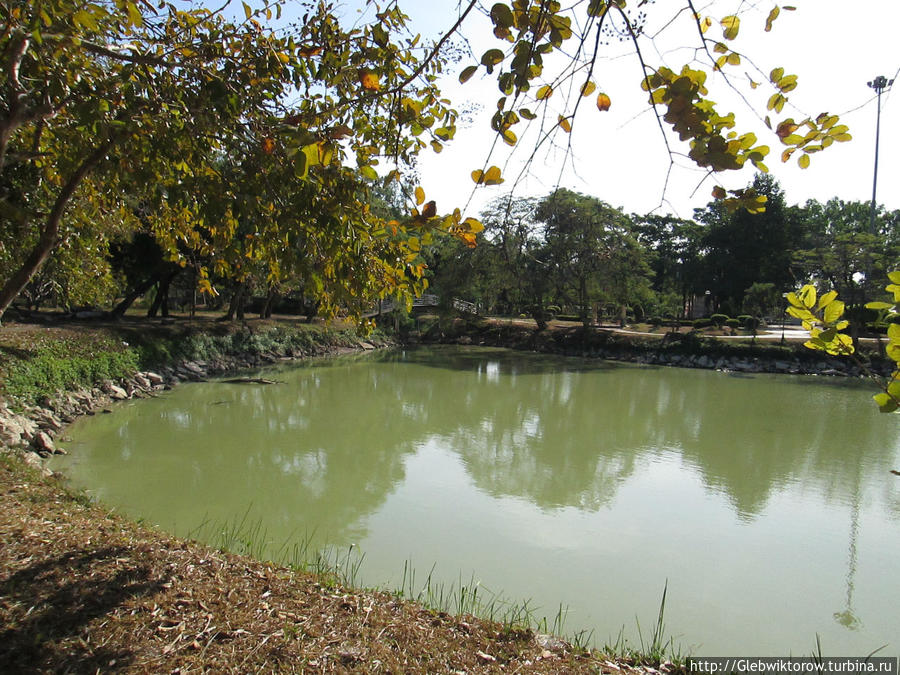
879	84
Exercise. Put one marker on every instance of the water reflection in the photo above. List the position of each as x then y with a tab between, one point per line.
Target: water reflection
591	452
559	432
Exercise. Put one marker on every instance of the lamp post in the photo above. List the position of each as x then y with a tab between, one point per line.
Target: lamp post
879	84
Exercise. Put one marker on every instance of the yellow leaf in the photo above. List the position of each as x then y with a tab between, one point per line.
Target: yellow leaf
369	80
420	195
544	92
772	16
473	225
565	124
803	161
492	176
730	26
603	102
588	88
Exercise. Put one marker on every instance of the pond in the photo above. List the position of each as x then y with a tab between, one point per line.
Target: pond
765	504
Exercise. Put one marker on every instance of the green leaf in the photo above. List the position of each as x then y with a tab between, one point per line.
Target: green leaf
491	58
878	305
894	276
807	295
544	92
833	311
893	332
502	16
826	299
886	404
134	14
85	18
368	172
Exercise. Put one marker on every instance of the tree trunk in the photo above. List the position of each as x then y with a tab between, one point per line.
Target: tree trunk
271	298
236	306
134	294
49	237
312	310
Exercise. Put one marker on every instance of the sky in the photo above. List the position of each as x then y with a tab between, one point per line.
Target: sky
619	156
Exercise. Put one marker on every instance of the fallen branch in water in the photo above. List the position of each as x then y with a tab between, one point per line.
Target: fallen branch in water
251	380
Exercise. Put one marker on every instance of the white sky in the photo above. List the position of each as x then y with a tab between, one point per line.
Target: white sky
834	47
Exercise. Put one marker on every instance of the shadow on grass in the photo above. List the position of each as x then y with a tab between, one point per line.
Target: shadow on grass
17	352
49	604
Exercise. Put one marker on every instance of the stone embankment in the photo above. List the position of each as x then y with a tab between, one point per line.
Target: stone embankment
34	429
830	367
706	354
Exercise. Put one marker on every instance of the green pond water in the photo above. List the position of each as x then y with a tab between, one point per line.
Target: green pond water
766	503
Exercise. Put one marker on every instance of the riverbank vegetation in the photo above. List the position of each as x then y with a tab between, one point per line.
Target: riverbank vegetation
41	360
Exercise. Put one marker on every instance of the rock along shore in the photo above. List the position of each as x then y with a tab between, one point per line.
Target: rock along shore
33	430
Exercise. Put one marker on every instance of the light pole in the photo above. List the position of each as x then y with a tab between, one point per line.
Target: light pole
879	84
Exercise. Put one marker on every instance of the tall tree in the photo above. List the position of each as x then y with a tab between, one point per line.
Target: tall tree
147	100
593	252
842	252
742	248
674	246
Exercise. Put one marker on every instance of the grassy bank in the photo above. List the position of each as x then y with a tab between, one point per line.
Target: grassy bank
38	360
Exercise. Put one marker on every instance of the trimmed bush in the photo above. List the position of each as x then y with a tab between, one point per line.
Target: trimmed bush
718	319
733	324
702	323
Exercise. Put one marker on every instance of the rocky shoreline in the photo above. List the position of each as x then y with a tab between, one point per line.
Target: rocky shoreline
680	352
34	429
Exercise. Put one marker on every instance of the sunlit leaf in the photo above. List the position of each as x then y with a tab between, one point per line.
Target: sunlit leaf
603	102
730	26
369	80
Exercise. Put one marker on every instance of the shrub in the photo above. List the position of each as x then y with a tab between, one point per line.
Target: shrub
733	324
743	319
702	323
719	319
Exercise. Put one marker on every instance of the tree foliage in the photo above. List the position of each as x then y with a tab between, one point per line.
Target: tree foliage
251	146
823	316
